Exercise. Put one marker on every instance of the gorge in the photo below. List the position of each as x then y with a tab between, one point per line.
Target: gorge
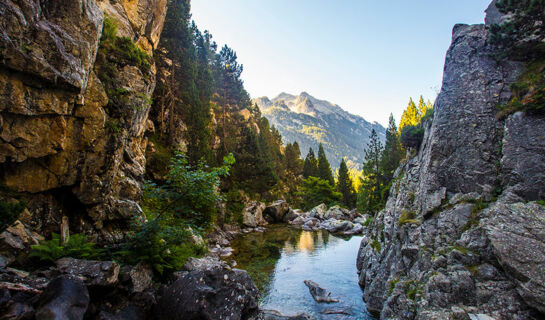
138	180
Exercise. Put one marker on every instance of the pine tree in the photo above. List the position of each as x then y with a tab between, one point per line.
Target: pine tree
324	169
391	156
373	177
345	186
410	116
294	163
310	166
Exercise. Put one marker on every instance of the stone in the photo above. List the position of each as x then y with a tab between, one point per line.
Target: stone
356	229
336	212
517	236
64	298
16	241
141	277
252	215
275	315
275	211
318	212
92	273
318	293
333	225
208	289
291	215
300	220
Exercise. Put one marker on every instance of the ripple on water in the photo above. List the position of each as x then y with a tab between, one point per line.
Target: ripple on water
282	257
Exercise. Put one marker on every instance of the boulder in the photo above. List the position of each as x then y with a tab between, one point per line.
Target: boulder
92	273
208	289
318	293
64	298
292	215
333	225
16	241
275	315
356	229
275	211
311	224
300	220
252	215
139	277
318	211
517	236
336	212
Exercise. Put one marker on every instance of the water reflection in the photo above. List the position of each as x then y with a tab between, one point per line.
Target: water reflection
281	258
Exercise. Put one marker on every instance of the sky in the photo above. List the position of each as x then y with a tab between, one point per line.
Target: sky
367	56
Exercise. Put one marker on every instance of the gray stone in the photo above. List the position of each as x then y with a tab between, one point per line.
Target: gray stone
64	298
92	273
275	211
318	212
208	289
252	215
318	293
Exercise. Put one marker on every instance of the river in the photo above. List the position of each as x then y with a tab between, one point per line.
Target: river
279	259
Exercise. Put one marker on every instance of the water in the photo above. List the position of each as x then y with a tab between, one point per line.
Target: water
282	257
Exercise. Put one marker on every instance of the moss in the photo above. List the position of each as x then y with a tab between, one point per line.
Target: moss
392	284
528	92
376	245
408	217
9	212
113	125
474	269
367	222
476	209
412	289
541	202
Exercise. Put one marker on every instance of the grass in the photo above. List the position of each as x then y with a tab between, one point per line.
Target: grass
376	245
367	222
528	92
392	284
408	217
476	209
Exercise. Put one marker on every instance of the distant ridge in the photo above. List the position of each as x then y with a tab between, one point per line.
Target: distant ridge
310	121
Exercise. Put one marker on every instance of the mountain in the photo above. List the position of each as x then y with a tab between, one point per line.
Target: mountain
311	121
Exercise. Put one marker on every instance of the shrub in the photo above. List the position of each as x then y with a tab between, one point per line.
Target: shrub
375	245
78	246
9	212
186	200
315	191
411	136
408	217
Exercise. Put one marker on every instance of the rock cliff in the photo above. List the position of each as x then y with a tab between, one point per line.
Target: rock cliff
72	132
458	237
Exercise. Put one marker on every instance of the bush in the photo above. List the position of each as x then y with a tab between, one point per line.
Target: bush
77	246
187	201
411	136
315	191
9	212
408	217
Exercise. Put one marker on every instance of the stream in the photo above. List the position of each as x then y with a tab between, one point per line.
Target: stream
279	259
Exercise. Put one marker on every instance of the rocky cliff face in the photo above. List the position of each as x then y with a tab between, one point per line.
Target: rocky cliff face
457	237
66	146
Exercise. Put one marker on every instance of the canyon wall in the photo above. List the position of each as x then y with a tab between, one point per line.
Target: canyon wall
460	235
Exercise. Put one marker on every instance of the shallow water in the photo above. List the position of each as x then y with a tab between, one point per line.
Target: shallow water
282	257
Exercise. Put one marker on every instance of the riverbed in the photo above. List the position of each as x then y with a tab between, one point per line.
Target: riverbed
282	257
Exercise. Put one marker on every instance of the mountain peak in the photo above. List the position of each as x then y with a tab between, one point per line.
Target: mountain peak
310	121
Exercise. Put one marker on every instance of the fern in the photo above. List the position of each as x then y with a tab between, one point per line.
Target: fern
78	246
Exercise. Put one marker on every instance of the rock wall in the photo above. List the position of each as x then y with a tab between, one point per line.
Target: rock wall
457	236
65	146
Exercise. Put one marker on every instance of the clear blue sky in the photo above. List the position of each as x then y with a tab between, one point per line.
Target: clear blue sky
368	56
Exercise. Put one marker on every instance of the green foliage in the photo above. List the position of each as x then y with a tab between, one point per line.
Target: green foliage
392	283
370	198
78	246
315	191
376	245
367	222
345	186
235	205
528	92
310	166
408	217
411	136
9	212
413	115
112	125
324	169
294	163
187	201
541	202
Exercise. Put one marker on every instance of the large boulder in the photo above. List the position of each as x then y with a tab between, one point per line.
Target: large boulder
318	211
333	225
16	241
252	215
337	212
292	215
93	273
208	290
65	298
517	236
275	315
275	211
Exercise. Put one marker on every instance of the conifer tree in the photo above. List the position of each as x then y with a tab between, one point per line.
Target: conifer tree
324	169
345	186
310	166
371	202
294	163
391	156
410	116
